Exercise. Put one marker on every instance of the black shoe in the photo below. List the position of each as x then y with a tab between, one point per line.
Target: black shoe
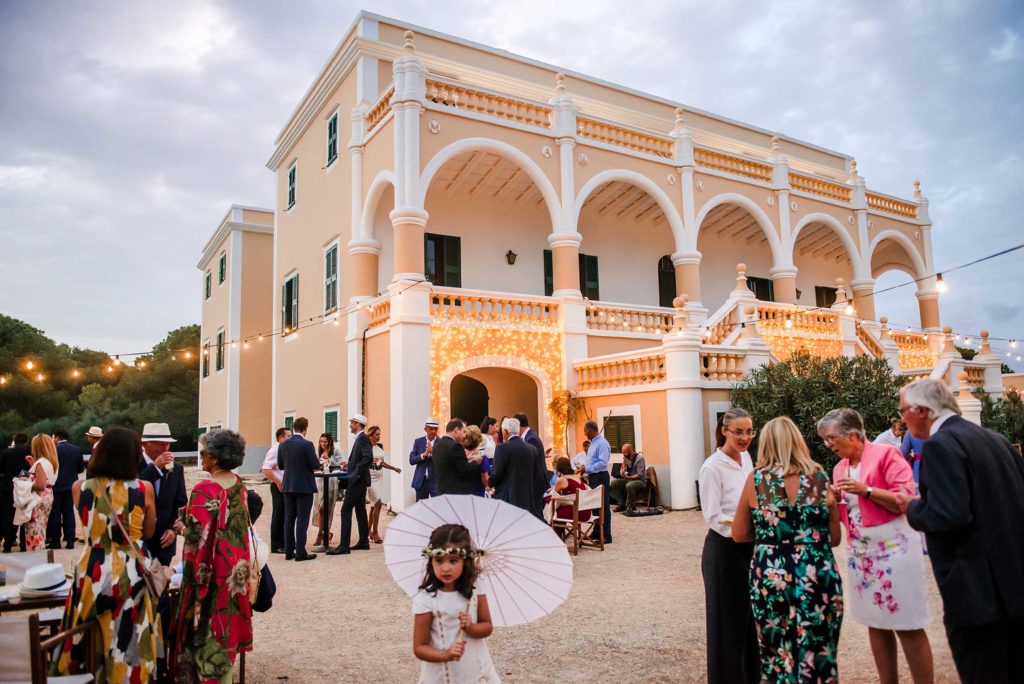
608	540
619	509
277	551
69	545
308	556
339	551
362	546
289	556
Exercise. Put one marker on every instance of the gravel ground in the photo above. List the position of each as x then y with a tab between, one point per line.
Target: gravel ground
635	614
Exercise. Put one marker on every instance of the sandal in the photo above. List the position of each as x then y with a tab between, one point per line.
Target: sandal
375	538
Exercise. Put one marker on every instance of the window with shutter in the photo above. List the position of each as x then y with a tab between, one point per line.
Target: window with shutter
588	277
200	431
442	256
763	288
331	279
290	304
209	284
288	422
206	359
331	424
291	186
549	273
220	350
666	281
618	430
824	297
222	270
332	139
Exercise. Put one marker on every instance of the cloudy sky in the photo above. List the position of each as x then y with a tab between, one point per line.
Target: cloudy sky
126	129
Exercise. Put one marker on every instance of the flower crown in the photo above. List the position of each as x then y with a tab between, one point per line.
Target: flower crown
442	551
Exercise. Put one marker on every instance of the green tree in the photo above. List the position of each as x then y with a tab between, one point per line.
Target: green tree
806	387
1005	416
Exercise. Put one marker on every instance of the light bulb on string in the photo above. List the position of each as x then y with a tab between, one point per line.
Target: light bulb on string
110	369
1013	344
29	365
75	373
848	310
245	345
188	355
940	284
261	337
117	360
39	377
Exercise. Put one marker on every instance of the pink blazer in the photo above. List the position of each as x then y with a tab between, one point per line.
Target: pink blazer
881	467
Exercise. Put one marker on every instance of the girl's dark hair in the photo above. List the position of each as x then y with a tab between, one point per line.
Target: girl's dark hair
457	536
254	502
564	466
330	443
116	455
487	423
724	420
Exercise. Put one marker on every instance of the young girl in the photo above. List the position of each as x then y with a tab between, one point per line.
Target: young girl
451	619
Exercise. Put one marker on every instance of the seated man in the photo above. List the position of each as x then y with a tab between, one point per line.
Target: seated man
632	480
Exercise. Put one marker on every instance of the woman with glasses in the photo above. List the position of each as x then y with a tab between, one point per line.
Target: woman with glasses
731	635
885	563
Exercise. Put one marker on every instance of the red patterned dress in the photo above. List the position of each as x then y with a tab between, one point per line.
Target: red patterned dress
213	621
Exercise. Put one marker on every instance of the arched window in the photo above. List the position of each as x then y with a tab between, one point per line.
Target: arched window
666	281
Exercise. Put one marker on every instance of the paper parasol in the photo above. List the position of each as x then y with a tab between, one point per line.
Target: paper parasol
525	570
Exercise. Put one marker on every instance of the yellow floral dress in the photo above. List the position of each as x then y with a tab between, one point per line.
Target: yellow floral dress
109	586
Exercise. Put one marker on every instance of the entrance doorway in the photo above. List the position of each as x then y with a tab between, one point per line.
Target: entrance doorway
496	392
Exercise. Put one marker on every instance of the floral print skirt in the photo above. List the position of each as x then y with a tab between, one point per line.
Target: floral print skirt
35	528
885	584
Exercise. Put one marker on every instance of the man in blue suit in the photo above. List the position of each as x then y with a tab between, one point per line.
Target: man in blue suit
421	456
296	457
62	515
360	459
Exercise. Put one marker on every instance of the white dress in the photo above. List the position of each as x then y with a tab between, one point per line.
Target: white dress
885	586
376	490
475	664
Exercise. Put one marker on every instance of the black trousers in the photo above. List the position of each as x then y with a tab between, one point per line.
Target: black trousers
276	518
8	529
988	654
62	518
733	654
296	522
594	480
355	500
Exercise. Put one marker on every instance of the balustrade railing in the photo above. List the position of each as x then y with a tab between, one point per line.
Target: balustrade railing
379	314
625	319
891	205
453	94
817	186
380	109
975	375
914	351
724	364
492	308
635	369
873	346
600	131
721	161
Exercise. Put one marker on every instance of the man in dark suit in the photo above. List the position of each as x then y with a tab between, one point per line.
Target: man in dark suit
541	480
514	476
71	463
455	473
360	458
296	457
972	512
12	462
168	479
421	456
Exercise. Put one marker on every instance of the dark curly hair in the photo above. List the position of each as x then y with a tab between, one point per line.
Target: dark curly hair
226	447
458	537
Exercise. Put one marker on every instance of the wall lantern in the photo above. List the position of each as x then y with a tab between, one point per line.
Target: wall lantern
510	257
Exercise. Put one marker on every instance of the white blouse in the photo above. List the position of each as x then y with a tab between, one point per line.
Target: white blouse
721	483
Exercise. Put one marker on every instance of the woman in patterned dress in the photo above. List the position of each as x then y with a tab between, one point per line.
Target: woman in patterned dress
213	618
885	563
109	584
44	467
789	512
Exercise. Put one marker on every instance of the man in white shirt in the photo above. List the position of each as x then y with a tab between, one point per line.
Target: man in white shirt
274	474
579	461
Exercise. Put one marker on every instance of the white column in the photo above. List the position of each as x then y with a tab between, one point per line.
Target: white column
969	406
564	132
686	258
685	408
890	350
993	368
847	321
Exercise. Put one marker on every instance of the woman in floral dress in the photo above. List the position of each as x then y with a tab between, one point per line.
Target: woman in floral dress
44	467
790	514
885	579
109	584
213	618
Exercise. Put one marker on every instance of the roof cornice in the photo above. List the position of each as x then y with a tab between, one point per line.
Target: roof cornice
225	229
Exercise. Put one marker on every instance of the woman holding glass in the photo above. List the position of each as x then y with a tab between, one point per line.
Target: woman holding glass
732	654
885	563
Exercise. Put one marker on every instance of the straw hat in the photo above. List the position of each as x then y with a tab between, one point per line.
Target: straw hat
157	432
359	418
94	432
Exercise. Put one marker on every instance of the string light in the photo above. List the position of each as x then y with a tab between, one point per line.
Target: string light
245	345
39	377
110	369
75	373
117	360
142	364
261	337
3	379
29	365
848	310
940	284
188	355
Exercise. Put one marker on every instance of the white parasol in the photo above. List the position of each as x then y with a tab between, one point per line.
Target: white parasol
525	570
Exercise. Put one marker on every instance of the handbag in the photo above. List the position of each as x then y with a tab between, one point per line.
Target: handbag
265	594
153	572
254	570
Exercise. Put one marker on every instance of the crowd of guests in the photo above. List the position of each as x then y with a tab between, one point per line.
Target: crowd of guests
774	592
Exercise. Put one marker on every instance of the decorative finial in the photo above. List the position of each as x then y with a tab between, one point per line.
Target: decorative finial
741	269
946	330
681	301
984	348
853	167
409	46
885	328
560	83
965	389
840	291
776	144
917	190
947	341
884	321
679	123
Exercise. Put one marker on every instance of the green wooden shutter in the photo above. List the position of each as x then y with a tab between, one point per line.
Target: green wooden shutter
200	431
549	274
588	277
291	187
618	430
331	279
284	305
666	281
220	351
332	139
295	301
331	424
452	261
288	422
222	268
209	284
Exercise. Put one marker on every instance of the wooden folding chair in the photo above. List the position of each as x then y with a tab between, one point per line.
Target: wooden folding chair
23	654
652	486
591	500
566	527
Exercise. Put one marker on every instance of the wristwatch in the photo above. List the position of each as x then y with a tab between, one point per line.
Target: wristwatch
867	494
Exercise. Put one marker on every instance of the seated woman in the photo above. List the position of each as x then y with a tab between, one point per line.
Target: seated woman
567	483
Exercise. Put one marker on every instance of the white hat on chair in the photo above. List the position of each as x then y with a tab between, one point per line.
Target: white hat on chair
45	577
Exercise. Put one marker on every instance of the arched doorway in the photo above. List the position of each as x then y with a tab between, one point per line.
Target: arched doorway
497	392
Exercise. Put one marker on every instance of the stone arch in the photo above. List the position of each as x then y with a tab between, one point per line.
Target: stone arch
844	236
547	190
909	247
639	180
774	244
373	195
545	385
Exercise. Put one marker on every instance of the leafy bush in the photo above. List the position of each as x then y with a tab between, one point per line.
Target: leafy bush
806	387
1005	416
